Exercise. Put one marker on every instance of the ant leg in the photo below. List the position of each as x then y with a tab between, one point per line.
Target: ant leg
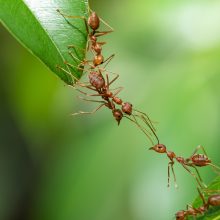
118	91
75	47
215	168
170	165
200	185
69	73
102	33
91	100
108	60
92	112
202	196
168	185
198	148
113	80
139	126
198	174
146	117
211	191
80	17
72	66
101	43
109	83
81	62
149	125
86	94
174	176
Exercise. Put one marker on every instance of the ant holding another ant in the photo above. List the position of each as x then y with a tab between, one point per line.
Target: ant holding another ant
194	161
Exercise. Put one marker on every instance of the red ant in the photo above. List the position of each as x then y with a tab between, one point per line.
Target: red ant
194	161
97	82
93	23
101	86
213	200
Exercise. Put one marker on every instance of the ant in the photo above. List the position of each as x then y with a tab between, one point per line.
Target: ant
93	23
194	161
101	86
213	200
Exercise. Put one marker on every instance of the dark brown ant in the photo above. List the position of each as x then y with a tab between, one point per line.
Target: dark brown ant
213	200
93	23
101	86
194	161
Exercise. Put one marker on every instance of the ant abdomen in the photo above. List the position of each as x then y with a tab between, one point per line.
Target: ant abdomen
93	21
96	80
200	160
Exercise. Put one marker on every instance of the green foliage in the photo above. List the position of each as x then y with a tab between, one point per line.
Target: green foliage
213	212
44	32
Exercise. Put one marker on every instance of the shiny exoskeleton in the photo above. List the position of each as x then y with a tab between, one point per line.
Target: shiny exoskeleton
213	200
194	161
101	86
93	23
97	81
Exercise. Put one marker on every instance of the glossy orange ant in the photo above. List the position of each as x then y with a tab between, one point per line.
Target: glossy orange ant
194	161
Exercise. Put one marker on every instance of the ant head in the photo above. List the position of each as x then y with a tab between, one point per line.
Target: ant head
127	108
180	215
117	115
159	148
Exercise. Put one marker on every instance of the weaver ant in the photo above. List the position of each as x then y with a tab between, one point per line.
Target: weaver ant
194	161
93	23
213	200
101	86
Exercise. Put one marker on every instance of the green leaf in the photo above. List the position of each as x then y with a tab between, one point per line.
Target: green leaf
214	212
43	31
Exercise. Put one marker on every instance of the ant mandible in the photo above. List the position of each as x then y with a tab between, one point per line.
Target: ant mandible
213	200
194	161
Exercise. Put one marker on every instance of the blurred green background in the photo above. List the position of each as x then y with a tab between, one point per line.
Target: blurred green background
57	167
